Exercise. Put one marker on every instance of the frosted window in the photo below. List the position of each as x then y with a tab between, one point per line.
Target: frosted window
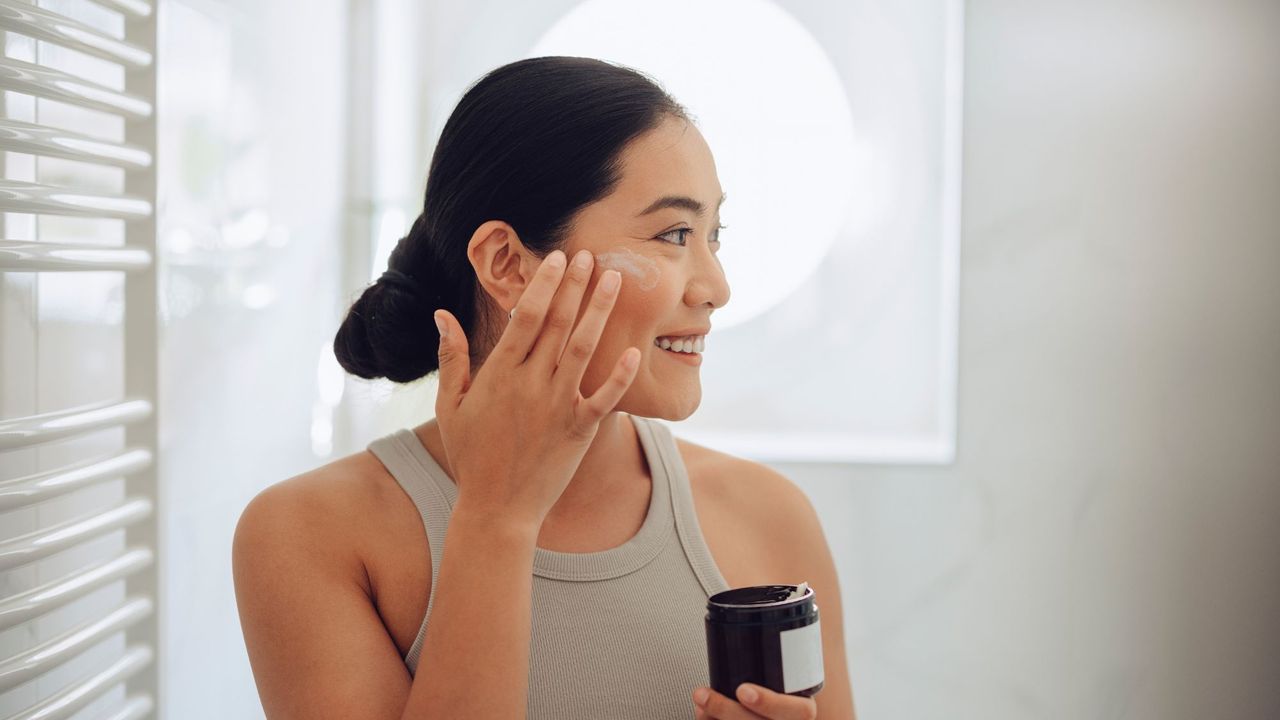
835	132
251	187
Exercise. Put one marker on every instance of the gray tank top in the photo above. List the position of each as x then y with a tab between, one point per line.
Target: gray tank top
618	633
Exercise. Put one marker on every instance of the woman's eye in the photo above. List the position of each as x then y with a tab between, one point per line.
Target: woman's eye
683	241
715	237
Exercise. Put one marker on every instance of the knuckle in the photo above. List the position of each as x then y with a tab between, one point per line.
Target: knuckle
581	350
603	300
522	318
560	320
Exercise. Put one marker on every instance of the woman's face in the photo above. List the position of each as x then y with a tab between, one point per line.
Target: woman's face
666	255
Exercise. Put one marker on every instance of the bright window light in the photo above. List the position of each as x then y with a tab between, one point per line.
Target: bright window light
778	123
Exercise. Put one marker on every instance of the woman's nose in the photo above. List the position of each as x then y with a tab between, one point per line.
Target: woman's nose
708	284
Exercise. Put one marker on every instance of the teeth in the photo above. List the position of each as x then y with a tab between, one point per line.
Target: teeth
694	344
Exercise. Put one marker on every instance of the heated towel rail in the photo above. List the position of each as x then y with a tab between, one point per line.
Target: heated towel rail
124	39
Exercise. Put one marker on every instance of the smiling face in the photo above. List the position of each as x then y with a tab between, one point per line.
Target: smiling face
650	231
659	229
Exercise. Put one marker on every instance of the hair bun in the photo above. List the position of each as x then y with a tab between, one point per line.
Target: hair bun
397	279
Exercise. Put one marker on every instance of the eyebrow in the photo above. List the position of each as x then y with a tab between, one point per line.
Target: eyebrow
682	202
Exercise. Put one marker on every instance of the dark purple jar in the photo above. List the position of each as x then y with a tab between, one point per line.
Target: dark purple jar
767	635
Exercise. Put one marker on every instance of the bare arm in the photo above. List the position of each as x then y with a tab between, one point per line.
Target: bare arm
318	647
316	644
475	656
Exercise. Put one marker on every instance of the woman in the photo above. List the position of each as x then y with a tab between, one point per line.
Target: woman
395	583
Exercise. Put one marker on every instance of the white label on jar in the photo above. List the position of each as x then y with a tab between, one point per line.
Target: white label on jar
801	657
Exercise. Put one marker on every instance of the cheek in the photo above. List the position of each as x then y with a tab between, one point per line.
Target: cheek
638	271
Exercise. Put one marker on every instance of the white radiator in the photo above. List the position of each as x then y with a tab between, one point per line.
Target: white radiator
79	500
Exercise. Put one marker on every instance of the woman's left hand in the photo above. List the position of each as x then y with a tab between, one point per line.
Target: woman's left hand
766	704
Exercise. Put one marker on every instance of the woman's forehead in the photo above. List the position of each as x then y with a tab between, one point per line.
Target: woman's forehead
666	172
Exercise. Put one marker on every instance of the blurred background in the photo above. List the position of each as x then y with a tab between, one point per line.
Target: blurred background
1034	247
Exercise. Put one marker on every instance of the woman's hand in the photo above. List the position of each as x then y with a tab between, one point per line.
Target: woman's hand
516	436
765	703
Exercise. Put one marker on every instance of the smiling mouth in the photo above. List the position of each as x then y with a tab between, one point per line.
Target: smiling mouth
689	358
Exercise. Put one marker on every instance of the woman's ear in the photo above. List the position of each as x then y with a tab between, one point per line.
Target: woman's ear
503	265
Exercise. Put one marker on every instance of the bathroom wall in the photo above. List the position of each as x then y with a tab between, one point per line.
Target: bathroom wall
1106	543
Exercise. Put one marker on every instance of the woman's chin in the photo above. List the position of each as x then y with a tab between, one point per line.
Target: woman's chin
668	403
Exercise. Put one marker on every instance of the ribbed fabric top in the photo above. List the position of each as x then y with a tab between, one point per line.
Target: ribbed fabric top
616	634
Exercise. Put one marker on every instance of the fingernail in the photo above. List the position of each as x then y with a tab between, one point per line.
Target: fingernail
444	332
609	281
556	258
748	694
582	259
700	695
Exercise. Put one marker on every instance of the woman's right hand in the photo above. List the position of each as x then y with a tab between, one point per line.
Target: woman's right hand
515	437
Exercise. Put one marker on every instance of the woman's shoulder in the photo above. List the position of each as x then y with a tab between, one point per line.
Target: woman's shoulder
758	524
746	488
331	492
327	508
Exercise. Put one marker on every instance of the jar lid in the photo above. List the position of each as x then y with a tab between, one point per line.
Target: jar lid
762	596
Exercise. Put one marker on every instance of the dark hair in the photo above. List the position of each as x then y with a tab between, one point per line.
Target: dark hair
530	143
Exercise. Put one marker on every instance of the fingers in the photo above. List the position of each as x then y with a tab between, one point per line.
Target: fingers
455	362
530	311
582	346
606	397
767	704
563	313
719	707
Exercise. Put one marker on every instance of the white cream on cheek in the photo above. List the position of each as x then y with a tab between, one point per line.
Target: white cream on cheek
643	269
